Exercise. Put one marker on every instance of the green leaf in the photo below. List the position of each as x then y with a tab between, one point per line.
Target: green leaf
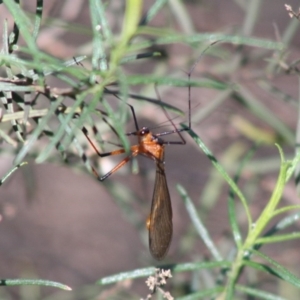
231	207
101	33
2	180
12	282
286	222
23	24
131	20
257	293
279	270
258	266
152	11
37	131
287	209
199	226
174	268
38	18
233	221
278	238
130	24
127	275
270	209
209	37
281	225
221	170
154	79
294	165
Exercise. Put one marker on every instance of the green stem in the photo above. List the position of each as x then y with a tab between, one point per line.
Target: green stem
256	230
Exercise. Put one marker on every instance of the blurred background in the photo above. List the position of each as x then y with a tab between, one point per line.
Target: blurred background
59	223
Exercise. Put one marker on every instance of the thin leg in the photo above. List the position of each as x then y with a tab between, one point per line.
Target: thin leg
174	142
182	142
115	152
95	130
116	168
170	132
134	117
130	106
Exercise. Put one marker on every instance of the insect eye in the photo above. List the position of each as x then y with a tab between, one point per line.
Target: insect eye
145	130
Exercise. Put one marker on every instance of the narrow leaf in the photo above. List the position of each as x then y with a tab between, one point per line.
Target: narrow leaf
257	293
174	268
279	270
11	282
200	228
222	171
278	238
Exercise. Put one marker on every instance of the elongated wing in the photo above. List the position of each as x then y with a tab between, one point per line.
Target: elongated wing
160	220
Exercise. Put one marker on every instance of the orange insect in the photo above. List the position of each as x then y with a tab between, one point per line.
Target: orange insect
159	222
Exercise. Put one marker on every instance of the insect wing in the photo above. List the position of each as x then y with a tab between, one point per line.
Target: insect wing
160	220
